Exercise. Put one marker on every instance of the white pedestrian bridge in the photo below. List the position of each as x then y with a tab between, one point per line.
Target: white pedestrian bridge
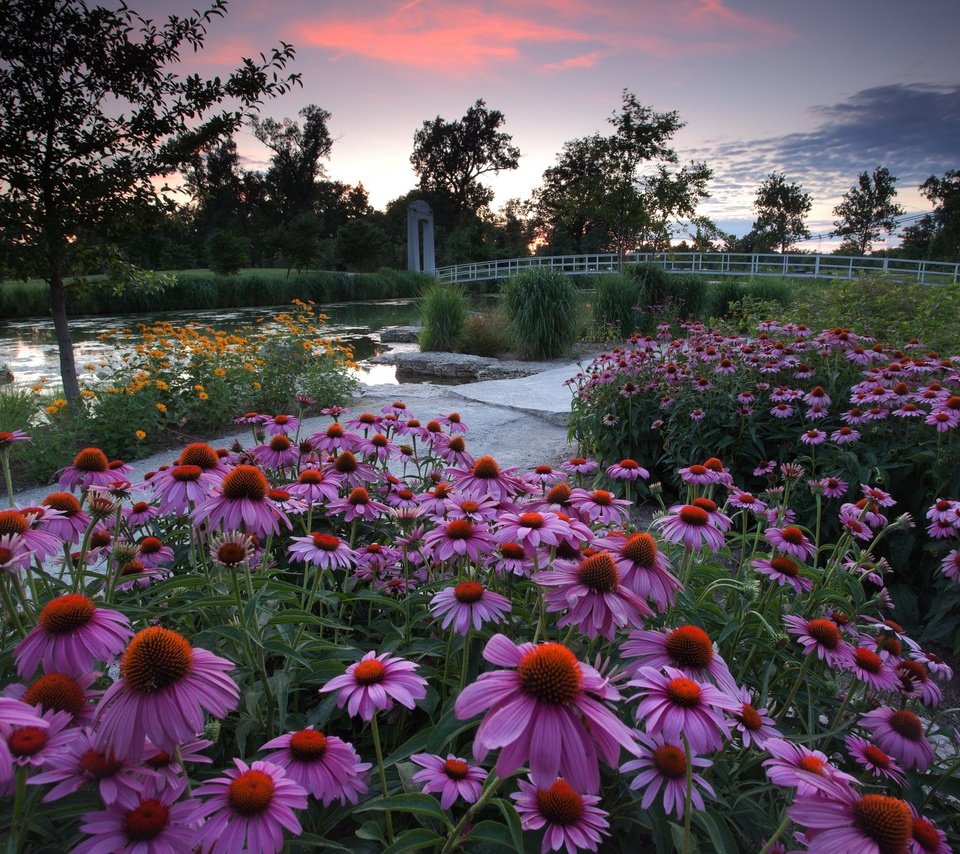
712	264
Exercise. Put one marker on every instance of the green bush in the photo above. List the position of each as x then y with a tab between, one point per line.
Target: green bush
543	309
723	294
770	290
616	303
443	315
485	334
228	253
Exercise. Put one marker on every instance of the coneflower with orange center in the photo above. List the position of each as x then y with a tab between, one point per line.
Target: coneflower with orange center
643	568
469	604
70	522
278	453
485	478
662	764
459	538
687	648
568	818
375	683
180	488
242	504
90	467
324	550
691	527
165	686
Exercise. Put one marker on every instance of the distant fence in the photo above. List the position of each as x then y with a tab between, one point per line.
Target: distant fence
712	264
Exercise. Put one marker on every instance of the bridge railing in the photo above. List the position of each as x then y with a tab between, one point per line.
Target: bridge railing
712	263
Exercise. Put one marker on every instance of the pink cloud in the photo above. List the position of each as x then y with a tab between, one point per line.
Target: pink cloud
586	60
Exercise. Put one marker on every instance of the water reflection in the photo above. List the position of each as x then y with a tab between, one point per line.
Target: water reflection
29	346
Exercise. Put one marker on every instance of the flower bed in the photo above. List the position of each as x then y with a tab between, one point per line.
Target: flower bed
369	640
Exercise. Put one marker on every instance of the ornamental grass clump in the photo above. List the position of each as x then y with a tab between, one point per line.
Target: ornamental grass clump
443	314
356	650
543	307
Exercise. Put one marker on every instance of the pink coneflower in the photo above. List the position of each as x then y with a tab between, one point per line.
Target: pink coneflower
70	522
151	552
943	420
591	593
935	664
351	472
70	635
453	422
870	668
486	478
377	447
544	475
627	469
468	604
452	450
571	820
252	418
740	500
139	514
118	779
324	550
833	487
485	509
765	467
328	768
242	501
334	440
181	487
452	778
927	838
232	549
278	453
14	554
755	725
15	717
791	541
357	505
8	437
532	529
365	421
373	683
511	558
663	764
915	682
671	704
875	760
90	468
813	437
314	486
459	538
690	526
783	570
836	818
845	435
555	706
164	687
281	425
686	648
821	636
644	569
600	507
698	475
900	733
155	825
580	465
795	766
248	809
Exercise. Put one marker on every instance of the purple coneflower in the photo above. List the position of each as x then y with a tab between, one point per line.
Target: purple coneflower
813	437
242	501
468	604
686	648
281	425
70	522
821	636
593	597
532	529
671	704
783	570
644	569
900	733
579	465
797	767
373	683
928	838
90	467
164	687
328	768
571	820
459	538
690	526
486	478
139	514
835	818
314	486
791	541
70	635
627	469
352	473
755	725
554	704
278	453
663	764
600	506
875	760
452	778
152	553
698	474
845	435
181	487
457	506
357	505
248	809
324	550
870	668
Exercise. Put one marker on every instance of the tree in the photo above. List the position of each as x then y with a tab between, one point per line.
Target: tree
936	235
227	252
868	210
291	180
92	112
449	157
781	209
619	191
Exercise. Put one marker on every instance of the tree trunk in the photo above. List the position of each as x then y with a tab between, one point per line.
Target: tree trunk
68	368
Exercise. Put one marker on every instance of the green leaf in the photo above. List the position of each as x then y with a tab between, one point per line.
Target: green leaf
412	803
512	819
494	833
414	840
721	839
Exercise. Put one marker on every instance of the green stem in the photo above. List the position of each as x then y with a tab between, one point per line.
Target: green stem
16	842
383	774
11	609
466	660
5	460
453	838
776	834
946	775
796	685
688	805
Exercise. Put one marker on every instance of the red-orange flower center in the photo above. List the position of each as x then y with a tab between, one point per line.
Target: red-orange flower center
670	761
690	646
459	529
599	572
713	464
887	821
875	755
867	659
458	445
231	554
369	672
358	496
280	443
551	673
12	522
327	542
251	793
514	551
485	467
559	494
640	549
812	764
560	804
311	476
155	659
707	504
749	717
150	545
199	454
62	501
91	460
56	692
925	834
345	463
629	464
602	497
792	535
684	692
531	520
186	474
468	592
308	745
695	516
455	769
66	614
99	765
245	482
906	724
825	633
785	566
27	741
146	821
697	469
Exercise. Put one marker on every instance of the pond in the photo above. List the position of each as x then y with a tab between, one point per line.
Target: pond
29	346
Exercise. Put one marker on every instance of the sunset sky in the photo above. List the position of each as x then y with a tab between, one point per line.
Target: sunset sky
820	89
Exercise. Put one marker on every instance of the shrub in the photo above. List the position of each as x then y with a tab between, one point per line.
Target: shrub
228	253
443	313
542	307
723	294
485	334
616	302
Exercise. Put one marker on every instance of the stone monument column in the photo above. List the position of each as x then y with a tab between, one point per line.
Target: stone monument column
417	213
